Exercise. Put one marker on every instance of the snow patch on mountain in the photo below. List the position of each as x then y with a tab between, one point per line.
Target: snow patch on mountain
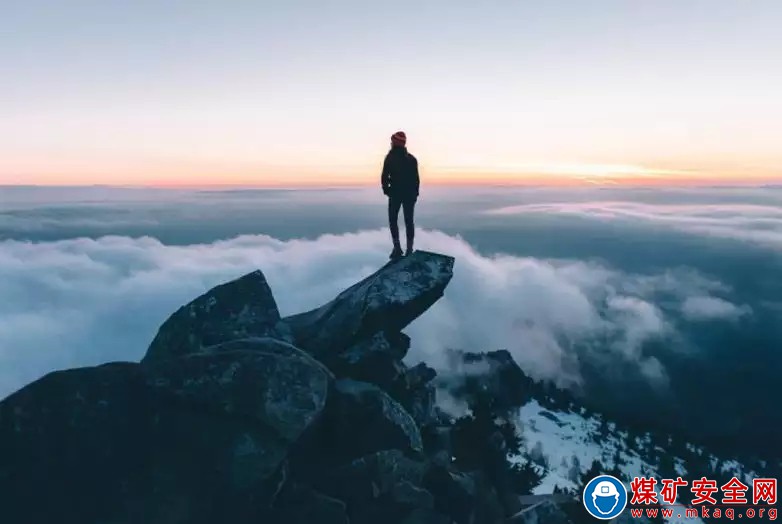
562	445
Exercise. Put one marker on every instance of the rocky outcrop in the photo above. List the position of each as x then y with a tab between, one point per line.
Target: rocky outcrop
388	300
110	442
377	359
414	389
364	480
242	308
285	391
235	415
94	420
384	424
492	377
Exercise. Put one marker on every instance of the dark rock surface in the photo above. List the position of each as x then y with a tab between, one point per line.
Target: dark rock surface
242	308
302	505
415	391
426	516
285	392
549	509
377	359
379	488
366	419
65	425
237	416
369	476
387	300
139	436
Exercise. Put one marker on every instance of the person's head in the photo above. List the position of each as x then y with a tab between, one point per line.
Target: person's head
398	139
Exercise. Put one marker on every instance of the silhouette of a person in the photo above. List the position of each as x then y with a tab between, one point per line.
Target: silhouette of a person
400	183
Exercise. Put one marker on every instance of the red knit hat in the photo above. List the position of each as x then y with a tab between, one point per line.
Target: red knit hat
399	138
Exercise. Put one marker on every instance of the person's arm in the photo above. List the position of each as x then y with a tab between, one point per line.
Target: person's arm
416	177
385	177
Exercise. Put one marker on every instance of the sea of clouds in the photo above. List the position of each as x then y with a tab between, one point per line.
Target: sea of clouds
754	223
79	302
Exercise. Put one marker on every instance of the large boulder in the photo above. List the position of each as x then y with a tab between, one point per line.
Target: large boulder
370	475
284	390
377	359
269	345
361	419
204	438
70	441
378	488
388	300
242	308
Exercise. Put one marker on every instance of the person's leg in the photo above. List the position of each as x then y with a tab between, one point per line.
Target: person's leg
409	211
393	224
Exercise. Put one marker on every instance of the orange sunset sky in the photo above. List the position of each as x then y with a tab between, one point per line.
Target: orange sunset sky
249	94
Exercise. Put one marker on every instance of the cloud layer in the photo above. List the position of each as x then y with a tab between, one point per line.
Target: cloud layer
760	224
83	302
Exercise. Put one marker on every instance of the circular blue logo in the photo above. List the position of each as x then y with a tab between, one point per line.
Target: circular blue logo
605	497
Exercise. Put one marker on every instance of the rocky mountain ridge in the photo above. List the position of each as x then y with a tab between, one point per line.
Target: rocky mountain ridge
238	415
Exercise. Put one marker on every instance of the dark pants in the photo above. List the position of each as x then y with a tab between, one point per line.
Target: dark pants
408	206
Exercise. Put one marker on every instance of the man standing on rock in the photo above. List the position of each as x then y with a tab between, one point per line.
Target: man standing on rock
400	182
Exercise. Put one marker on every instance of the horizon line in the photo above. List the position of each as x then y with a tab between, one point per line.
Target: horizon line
572	183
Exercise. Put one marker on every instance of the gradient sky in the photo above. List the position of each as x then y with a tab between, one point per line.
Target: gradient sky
189	92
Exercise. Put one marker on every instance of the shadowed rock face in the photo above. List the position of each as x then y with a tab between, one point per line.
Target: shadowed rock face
242	308
539	509
235	415
377	359
414	390
285	392
387	300
195	439
384	424
381	475
303	505
93	420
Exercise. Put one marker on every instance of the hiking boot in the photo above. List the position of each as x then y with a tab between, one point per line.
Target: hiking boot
408	251
396	253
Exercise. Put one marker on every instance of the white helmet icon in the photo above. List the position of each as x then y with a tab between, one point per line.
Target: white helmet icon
605	488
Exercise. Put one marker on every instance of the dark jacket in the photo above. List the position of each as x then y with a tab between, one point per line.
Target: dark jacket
400	174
